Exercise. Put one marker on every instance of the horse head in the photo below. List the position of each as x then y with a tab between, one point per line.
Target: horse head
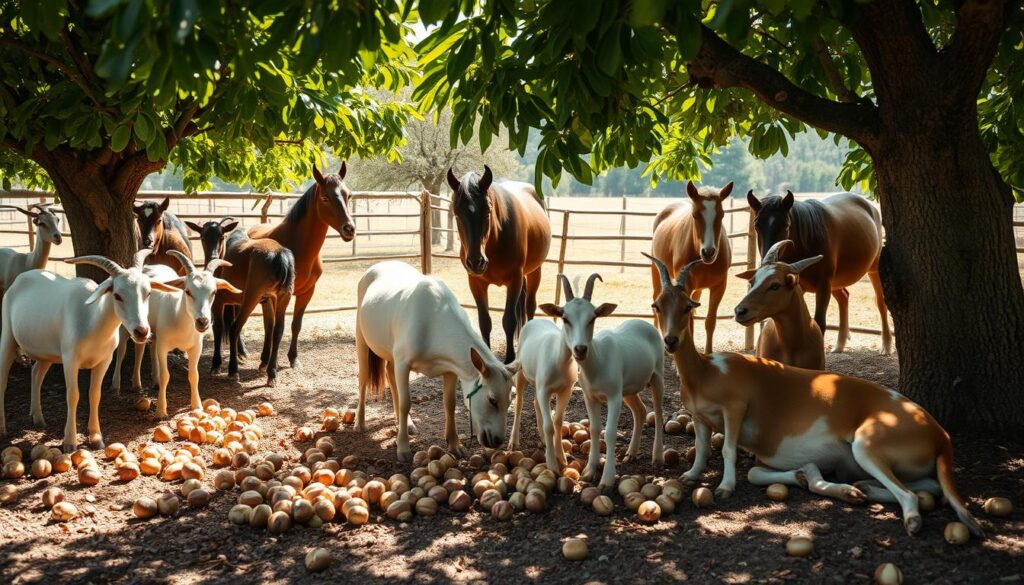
707	218
471	207
771	219
150	217
331	201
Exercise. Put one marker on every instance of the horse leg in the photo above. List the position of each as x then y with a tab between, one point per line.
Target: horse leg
712	318
249	302
532	285
842	297
301	301
511	321
478	288
269	310
883	312
218	333
281	309
242	352
821	299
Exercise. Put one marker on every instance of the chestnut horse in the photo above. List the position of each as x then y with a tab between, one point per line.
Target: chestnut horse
692	230
505	236
303	231
846	229
161	231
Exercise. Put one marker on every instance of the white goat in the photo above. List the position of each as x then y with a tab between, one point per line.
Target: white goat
47	233
74	322
545	361
615	366
179	320
410	322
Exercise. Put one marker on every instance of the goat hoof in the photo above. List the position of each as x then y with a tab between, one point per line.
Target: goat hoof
405	456
723	493
607	489
838	349
69	447
801	478
913	524
96	443
295	363
885	351
271	382
459	451
39	423
852	495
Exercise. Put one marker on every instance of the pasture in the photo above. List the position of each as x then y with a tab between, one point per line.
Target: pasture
739	540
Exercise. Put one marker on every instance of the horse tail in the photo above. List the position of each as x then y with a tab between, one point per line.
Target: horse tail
944	471
284	270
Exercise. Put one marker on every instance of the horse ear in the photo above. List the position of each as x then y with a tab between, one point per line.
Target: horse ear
343	170
691	190
726	191
753	201
787	201
194	226
165	204
452	181
319	178
485	181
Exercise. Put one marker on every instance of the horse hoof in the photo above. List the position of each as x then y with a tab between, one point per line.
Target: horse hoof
215	371
271	382
913	524
96	443
295	363
723	493
39	423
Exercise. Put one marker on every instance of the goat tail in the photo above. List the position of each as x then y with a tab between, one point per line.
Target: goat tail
375	375
944	471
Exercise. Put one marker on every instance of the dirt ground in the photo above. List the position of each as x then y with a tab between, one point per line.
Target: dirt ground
740	540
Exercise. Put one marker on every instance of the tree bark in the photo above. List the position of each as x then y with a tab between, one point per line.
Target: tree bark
949	270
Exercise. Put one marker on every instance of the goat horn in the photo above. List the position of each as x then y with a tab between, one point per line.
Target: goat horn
567	288
112	268
185	261
684	274
666	280
41	206
773	253
589	290
226	219
140	258
799	266
216	263
21	209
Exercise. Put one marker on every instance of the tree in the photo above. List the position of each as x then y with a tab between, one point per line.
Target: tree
929	92
96	95
425	158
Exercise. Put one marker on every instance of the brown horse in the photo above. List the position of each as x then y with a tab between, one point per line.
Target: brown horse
303	231
844	228
505	236
692	230
161	231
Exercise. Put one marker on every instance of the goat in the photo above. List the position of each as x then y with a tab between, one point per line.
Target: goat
179	320
545	360
161	231
801	424
790	336
615	366
74	322
410	322
47	233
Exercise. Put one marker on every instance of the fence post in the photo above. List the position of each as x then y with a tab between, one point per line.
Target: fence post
622	232
561	255
748	335
425	232
354	223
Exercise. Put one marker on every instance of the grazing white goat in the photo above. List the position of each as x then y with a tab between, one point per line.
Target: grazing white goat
615	366
545	360
74	322
409	322
47	233
179	320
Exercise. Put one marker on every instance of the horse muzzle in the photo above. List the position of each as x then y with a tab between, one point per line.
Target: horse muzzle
348	232
476	266
671	343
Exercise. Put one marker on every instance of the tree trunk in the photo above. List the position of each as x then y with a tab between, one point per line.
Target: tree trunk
949	271
98	208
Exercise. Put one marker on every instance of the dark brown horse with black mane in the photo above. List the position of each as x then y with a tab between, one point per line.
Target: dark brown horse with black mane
161	231
505	236
303	231
846	229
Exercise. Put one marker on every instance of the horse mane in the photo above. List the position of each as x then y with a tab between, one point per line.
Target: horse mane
298	209
807	226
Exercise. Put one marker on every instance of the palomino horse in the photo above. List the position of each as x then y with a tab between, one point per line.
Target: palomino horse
846	229
692	230
162	231
303	231
505	236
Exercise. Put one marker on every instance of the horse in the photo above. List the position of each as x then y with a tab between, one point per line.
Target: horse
505	236
846	229
303	231
162	231
689	230
265	271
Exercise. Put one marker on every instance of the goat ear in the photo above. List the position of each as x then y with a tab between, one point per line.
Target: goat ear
605	309
792	280
746	274
104	287
229	227
225	285
170	286
478	362
551	310
194	226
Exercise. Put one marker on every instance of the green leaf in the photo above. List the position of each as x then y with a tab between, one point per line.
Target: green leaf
45	16
609	54
101	8
119	139
689	36
143	129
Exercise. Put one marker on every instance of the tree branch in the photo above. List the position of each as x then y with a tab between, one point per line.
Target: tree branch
60	65
828	65
12	144
720	65
967	56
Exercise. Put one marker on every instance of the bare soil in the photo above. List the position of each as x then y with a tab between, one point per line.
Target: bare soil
740	540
